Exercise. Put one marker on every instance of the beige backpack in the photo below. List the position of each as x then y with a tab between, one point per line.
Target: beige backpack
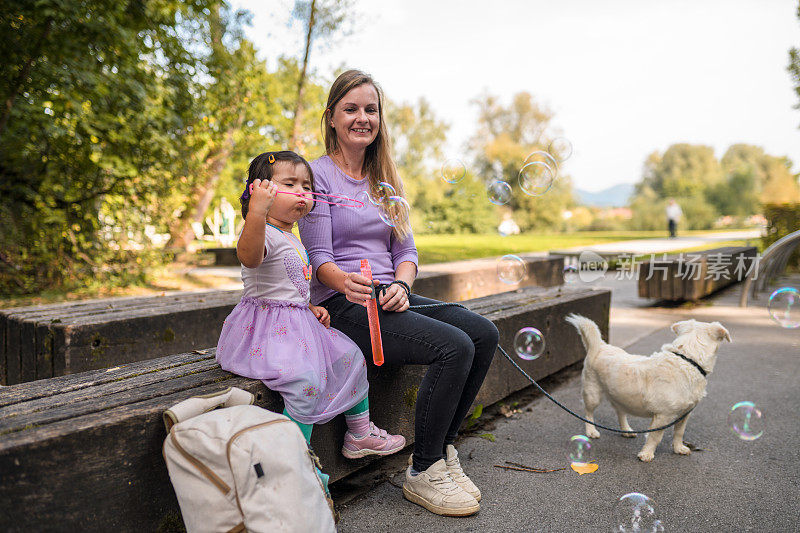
242	468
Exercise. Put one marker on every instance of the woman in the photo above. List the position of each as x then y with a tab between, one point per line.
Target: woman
456	344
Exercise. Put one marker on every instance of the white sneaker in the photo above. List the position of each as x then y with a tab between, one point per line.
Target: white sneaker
435	490
458	475
456	472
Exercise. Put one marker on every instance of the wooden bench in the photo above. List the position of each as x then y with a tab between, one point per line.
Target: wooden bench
694	275
83	452
53	340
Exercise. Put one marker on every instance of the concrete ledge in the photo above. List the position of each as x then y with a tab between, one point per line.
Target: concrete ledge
53	340
84	451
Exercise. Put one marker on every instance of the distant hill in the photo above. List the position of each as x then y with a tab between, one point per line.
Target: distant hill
616	196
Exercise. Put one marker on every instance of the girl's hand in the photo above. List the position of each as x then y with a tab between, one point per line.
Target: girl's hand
322	315
262	195
394	299
357	288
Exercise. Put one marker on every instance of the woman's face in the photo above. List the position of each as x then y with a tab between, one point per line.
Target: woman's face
356	117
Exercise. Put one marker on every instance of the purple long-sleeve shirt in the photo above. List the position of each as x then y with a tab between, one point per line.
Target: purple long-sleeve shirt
346	235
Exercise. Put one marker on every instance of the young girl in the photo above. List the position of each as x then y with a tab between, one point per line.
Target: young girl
273	334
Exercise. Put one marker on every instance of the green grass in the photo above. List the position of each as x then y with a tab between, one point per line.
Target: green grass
444	248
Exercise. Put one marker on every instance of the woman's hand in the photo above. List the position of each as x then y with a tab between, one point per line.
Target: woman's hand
394	298
357	288
262	195
322	315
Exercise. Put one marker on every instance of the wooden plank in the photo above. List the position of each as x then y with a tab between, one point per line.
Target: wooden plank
64	384
44	348
641	280
108	396
681	283
3	334
27	350
121	483
13	373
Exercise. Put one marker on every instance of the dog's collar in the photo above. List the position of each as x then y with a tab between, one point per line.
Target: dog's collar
692	361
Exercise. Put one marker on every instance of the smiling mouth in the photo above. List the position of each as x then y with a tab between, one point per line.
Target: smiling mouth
361	130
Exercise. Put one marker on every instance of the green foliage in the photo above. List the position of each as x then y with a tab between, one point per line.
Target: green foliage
437	206
794	67
738	185
121	120
648	211
473	418
683	170
782	219
506	136
488	436
96	97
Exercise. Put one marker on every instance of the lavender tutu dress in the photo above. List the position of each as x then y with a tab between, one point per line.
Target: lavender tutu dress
273	336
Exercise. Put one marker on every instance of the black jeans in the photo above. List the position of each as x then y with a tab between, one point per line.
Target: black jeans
672	226
456	344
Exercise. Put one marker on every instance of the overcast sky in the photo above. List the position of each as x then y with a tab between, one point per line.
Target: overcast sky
623	77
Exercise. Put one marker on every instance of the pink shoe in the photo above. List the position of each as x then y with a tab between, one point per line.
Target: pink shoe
376	442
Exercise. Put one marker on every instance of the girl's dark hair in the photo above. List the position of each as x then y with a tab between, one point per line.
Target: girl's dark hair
261	168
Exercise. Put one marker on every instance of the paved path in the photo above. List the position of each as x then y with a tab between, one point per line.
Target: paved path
657	246
733	485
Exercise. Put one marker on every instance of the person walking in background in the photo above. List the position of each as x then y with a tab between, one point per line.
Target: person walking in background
674	215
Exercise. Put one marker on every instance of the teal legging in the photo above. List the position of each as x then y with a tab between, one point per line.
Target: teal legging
357	409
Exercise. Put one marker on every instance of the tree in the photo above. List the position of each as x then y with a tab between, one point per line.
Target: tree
690	174
96	98
684	170
506	136
322	19
794	66
752	177
418	138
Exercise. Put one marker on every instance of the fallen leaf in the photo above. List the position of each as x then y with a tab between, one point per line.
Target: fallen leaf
507	411
584	468
487	436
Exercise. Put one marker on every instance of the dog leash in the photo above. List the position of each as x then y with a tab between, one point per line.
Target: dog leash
561	405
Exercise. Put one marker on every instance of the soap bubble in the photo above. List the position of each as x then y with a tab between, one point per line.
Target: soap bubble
592	266
570	274
366	200
453	171
383	191
580	450
394	211
746	421
511	269
541	156
560	148
529	343
636	512
499	192
536	178
784	307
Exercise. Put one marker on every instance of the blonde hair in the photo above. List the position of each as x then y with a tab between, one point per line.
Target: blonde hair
378	163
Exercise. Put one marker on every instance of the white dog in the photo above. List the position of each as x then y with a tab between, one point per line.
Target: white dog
663	386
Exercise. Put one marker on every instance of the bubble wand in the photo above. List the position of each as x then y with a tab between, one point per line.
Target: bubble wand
372	316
